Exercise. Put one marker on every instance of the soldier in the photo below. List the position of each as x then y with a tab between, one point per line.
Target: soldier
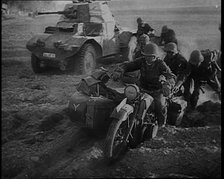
153	73
167	36
202	69
143	28
139	39
142	41
132	77
177	63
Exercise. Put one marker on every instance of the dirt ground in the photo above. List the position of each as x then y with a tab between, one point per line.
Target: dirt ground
38	139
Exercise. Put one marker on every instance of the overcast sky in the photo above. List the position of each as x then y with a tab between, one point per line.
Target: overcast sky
146	4
165	3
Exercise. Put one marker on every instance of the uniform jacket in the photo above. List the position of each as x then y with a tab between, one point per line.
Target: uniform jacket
149	78
178	65
205	71
145	28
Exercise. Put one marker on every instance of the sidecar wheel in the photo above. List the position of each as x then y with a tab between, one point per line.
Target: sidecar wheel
114	145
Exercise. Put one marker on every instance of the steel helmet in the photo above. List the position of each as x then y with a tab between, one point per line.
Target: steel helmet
139	20
196	57
151	49
171	47
164	29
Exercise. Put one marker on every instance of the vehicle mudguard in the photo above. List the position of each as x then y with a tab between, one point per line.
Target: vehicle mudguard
31	43
69	46
122	111
146	102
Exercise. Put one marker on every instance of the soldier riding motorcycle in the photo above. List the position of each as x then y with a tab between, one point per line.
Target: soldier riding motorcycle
136	115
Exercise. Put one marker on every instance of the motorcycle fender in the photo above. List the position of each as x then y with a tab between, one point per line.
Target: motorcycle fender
148	99
123	113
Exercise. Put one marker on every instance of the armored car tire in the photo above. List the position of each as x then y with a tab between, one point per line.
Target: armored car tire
36	64
86	59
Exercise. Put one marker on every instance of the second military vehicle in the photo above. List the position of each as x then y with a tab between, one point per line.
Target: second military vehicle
84	33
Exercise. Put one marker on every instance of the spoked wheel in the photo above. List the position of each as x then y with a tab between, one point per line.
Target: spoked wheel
115	144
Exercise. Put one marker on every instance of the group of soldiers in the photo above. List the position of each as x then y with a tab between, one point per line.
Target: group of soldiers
173	73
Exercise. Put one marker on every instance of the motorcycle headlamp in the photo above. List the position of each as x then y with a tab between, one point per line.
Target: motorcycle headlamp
131	92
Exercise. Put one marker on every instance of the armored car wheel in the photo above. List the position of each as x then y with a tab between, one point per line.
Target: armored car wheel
36	64
86	59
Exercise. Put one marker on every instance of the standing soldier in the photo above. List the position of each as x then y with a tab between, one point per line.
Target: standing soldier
153	73
137	39
143	28
203	70
167	35
177	63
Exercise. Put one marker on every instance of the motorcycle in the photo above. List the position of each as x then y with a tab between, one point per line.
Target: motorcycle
134	120
127	119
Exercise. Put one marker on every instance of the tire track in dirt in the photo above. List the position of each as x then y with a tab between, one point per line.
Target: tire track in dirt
58	155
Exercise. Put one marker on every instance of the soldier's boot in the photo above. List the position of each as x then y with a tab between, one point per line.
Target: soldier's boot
193	101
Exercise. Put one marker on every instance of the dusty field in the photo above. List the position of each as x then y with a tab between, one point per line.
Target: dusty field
38	139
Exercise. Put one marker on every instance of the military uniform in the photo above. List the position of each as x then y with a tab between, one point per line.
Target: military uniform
178	65
168	36
144	28
149	80
205	72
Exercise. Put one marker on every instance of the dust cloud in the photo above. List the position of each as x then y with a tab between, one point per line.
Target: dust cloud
208	95
31	6
146	4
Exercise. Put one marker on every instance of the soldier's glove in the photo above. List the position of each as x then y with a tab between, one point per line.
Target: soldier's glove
176	87
162	79
116	75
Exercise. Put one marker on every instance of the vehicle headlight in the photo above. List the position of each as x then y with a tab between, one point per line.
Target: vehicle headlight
131	91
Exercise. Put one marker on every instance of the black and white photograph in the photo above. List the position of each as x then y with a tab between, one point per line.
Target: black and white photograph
111	89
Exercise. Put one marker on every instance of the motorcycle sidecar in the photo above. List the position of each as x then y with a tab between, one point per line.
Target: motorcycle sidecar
94	112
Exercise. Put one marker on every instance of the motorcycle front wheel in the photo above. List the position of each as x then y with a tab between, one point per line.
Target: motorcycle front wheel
115	144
